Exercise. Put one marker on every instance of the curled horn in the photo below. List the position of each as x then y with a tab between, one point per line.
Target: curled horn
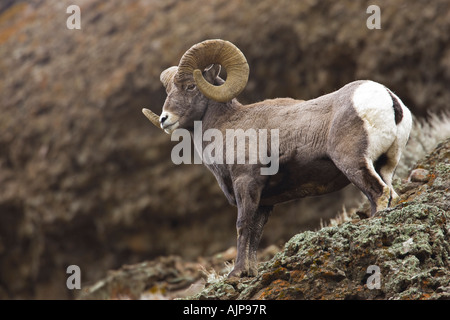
167	76
222	52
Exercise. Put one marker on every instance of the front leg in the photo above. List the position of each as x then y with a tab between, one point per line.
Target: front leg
250	222
260	219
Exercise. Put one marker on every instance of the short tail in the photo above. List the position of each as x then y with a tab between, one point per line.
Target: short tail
398	110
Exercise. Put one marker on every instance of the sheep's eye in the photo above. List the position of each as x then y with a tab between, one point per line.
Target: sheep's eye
190	87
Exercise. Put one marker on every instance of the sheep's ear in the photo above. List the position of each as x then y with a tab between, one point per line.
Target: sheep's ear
211	73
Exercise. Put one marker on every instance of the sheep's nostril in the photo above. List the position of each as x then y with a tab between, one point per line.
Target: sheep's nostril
163	118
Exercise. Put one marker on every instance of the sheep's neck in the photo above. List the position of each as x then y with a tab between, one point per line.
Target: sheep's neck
219	115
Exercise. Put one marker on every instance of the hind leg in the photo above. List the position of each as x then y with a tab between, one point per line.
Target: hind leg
388	169
374	187
365	177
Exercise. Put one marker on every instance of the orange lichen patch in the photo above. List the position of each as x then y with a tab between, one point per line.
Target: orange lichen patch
266	277
297	275
276	290
431	179
425	296
12	12
327	273
411	195
278	273
15	24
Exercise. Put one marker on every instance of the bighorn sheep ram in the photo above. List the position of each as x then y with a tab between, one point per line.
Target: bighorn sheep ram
355	134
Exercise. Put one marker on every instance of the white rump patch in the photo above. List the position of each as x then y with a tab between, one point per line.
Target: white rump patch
373	104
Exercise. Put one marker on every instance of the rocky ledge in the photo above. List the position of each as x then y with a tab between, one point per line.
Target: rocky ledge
402	253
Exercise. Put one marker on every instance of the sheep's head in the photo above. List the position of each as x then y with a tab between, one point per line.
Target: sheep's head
195	80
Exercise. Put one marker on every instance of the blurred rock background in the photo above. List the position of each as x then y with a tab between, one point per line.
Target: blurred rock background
86	180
